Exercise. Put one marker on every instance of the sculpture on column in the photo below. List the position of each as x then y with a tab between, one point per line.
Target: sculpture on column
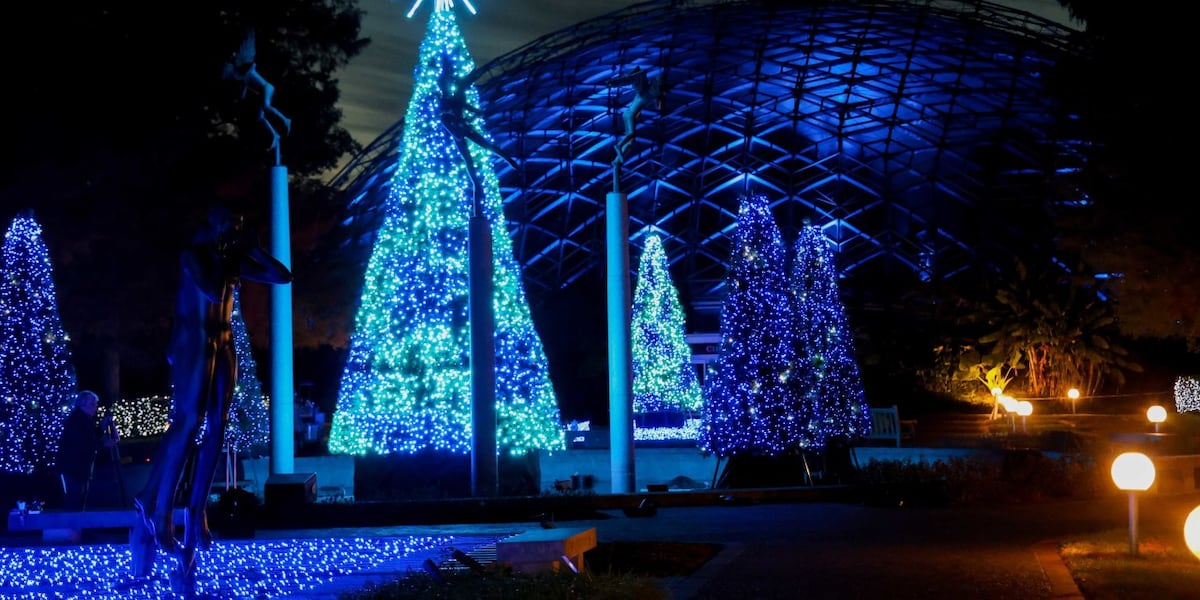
456	114
646	90
203	373
241	67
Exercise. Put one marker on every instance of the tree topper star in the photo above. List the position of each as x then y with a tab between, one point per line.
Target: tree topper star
441	5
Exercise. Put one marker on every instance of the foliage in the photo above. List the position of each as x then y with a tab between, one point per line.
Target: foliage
1040	327
37	374
749	406
1130	224
983	478
130	132
663	376
500	583
406	386
1063	326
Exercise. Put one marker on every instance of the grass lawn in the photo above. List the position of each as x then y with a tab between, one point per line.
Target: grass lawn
1104	569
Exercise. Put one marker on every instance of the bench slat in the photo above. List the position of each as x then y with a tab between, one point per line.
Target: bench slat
543	549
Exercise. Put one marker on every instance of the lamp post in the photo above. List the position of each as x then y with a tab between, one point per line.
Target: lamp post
1073	395
1024	408
1133	472
1156	414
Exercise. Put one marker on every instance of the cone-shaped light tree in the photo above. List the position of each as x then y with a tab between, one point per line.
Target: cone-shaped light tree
37	375
249	420
664	379
749	406
406	384
827	369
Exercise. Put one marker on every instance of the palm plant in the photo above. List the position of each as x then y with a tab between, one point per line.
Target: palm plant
1062	326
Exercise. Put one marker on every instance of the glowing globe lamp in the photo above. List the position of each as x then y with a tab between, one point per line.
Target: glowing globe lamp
1009	404
1133	472
1191	531
1024	408
1156	414
1073	395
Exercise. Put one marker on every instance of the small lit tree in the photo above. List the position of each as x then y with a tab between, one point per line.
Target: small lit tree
249	420
749	407
664	380
37	376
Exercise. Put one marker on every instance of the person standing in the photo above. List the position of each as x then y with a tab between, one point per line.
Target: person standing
77	447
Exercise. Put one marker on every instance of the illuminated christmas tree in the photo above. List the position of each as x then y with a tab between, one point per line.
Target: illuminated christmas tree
664	380
37	376
827	368
406	384
249	420
749	406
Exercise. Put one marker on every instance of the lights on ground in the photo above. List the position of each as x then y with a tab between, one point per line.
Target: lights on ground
231	569
1133	472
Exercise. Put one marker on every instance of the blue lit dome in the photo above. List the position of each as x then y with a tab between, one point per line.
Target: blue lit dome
920	134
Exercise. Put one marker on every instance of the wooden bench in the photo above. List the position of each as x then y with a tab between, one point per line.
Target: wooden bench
886	426
67	527
546	549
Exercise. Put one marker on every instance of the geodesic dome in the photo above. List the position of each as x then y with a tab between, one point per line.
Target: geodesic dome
919	134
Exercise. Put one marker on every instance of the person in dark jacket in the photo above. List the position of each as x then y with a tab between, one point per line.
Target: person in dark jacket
81	438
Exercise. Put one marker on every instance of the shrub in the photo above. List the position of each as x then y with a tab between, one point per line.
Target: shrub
1013	477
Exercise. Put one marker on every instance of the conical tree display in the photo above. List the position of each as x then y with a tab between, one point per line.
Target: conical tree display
249	419
37	375
827	368
406	384
664	380
749	406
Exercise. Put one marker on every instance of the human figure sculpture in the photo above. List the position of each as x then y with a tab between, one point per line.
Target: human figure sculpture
646	90
203	374
241	67
456	115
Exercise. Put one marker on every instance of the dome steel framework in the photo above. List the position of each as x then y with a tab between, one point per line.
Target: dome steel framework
918	133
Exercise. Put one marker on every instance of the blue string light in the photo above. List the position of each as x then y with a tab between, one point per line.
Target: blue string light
234	569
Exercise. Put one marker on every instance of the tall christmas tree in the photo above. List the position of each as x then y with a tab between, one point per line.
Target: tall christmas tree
406	384
827	368
249	420
37	376
749	407
664	380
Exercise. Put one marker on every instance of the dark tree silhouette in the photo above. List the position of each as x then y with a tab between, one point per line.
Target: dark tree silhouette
135	133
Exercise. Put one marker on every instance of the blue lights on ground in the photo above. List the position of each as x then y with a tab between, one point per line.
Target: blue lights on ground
257	569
